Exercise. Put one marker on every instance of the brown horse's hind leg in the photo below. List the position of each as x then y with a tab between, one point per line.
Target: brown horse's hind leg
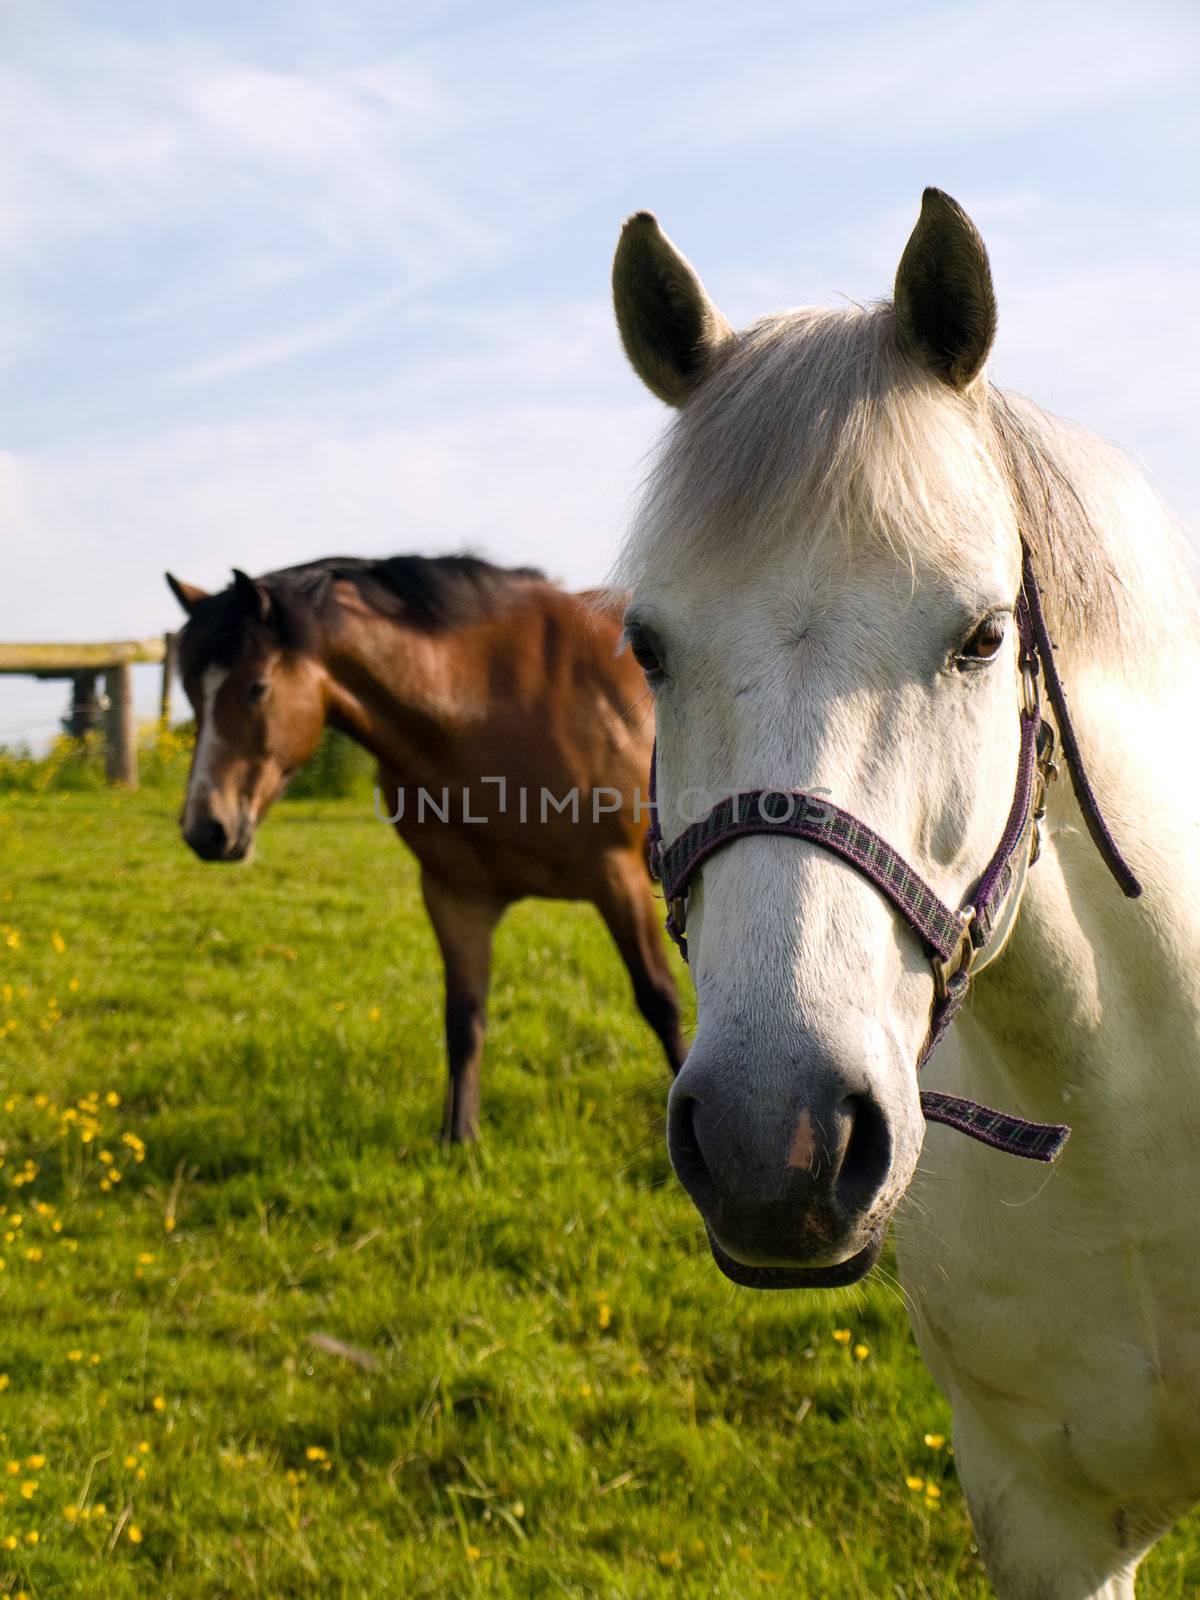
464	925
628	907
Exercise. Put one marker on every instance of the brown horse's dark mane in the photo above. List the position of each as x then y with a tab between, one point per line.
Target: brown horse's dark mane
433	593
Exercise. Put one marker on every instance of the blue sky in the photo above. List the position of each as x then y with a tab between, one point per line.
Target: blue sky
288	279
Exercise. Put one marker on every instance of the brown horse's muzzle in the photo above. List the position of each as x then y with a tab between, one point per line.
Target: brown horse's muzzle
209	837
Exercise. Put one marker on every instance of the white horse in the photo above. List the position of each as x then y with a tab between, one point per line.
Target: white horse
823	581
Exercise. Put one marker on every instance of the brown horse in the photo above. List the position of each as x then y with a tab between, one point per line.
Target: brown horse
513	743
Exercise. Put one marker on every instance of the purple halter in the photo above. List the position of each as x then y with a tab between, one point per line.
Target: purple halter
954	939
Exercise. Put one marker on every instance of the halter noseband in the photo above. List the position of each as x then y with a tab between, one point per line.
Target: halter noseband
957	941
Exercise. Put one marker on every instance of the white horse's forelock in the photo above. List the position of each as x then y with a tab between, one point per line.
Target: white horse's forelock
817	424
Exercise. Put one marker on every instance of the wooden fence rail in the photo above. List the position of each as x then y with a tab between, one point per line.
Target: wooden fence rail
83	665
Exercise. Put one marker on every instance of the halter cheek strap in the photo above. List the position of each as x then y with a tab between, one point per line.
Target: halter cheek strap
958	942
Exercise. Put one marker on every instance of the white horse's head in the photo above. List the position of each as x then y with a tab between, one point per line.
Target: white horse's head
823	582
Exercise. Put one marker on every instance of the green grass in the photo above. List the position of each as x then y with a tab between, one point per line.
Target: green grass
560	1395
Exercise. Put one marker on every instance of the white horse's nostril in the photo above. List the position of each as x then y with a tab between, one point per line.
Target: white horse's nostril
866	1155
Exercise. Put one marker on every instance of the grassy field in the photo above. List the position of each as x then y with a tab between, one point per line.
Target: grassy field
220	1091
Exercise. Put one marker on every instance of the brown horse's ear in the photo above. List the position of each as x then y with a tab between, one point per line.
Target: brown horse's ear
944	295
671	330
187	594
253	598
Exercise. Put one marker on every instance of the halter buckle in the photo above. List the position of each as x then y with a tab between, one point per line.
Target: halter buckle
962	960
1031	694
679	914
1047	772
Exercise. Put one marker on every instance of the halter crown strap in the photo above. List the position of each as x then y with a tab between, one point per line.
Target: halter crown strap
953	939
1084	793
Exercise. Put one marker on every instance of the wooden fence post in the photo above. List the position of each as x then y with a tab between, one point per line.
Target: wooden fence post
121	749
170	659
85	714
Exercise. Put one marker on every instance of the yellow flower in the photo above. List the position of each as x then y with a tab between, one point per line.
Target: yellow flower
473	1552
32	1536
135	1533
112	1098
70	1513
4	1381
13	1469
9	1541
74	1355
374	1014
861	1352
669	1558
57	940
315	1453
131	1462
932	1492
145	1258
159	1403
915	1484
605	1314
842	1335
36	1463
29	1488
34	1253
935	1441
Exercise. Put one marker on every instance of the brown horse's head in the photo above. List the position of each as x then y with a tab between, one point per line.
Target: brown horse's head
259	692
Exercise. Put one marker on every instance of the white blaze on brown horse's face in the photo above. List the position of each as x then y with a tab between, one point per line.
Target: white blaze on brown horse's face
259	707
823	583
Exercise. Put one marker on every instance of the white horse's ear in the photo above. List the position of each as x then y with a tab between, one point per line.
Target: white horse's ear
944	295
188	595
670	328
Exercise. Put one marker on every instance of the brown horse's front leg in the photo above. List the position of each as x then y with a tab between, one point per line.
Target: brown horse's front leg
464	925
628	907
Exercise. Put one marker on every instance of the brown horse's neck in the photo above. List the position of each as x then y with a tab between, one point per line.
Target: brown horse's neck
535	691
397	691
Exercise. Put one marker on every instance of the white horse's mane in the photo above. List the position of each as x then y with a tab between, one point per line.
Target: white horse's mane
818	423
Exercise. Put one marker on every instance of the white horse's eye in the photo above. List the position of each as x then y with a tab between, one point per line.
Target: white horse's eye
984	644
645	654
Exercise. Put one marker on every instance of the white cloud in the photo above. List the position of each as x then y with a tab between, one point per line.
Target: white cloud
302	341
532	482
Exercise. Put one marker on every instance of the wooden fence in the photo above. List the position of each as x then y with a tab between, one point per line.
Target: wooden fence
83	665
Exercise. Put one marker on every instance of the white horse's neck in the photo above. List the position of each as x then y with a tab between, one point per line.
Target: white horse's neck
1094	1004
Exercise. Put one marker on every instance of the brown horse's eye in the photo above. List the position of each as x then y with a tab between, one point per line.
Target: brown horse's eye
257	691
984	644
